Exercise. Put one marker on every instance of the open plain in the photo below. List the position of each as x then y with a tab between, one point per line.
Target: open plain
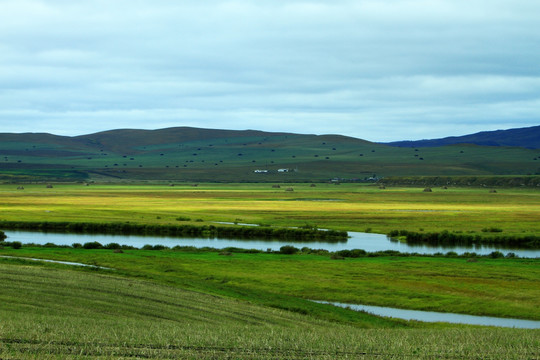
194	303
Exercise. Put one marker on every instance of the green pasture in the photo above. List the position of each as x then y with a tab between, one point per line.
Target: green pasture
349	207
495	287
54	312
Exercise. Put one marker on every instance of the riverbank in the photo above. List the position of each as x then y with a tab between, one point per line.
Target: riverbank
447	284
113	317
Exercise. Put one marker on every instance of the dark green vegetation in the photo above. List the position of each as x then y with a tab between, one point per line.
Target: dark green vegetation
191	154
242	232
447	238
53	312
528	137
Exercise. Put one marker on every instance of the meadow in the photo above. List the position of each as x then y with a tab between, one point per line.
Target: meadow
347	207
54	312
207	304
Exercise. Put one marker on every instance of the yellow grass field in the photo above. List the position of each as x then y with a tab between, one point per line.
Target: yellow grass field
350	207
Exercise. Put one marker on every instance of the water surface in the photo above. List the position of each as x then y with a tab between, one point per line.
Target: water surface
357	240
431	316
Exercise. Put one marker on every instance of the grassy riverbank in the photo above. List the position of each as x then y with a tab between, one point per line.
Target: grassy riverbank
52	312
347	207
495	287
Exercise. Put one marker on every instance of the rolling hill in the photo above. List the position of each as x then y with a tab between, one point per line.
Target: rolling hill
528	137
194	154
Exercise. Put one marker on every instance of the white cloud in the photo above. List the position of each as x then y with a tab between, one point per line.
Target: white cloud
380	70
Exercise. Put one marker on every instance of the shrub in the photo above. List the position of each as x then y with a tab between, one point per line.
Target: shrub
16	245
3	236
93	245
496	255
288	249
492	229
112	246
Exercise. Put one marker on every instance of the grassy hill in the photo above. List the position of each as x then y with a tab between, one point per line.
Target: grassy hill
192	154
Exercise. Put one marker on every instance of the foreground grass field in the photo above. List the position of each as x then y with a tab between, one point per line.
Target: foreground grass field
495	287
349	207
53	312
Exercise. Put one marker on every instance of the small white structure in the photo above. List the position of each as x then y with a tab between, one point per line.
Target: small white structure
258	171
283	170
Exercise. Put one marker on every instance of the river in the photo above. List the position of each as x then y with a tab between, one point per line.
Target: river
432	316
367	241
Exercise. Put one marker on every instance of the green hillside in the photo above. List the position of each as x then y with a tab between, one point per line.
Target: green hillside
193	154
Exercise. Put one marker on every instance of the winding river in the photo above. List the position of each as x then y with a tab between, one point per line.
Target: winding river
367	241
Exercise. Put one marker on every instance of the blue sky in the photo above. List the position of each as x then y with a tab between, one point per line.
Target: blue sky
380	70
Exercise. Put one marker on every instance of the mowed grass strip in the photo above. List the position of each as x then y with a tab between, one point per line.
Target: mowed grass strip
52	312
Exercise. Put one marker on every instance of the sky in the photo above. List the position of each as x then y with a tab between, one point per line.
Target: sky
380	70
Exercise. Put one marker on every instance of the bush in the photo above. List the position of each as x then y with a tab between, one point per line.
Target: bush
92	245
112	246
288	250
3	236
16	245
492	229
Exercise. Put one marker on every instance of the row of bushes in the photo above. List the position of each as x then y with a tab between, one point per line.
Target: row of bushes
446	238
286	250
241	232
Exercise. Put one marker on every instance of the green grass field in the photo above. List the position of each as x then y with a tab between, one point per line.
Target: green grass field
194	304
53	312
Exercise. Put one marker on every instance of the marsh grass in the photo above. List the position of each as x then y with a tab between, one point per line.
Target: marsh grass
349	207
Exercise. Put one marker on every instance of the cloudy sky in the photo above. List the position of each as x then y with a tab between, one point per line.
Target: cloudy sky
380	70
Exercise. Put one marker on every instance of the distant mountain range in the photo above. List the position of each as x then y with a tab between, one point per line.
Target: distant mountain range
194	154
528	137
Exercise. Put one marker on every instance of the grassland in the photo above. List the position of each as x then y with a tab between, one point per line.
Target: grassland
51	312
170	304
349	207
495	287
213	155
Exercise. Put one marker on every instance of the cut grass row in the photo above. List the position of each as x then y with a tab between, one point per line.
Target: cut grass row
52	312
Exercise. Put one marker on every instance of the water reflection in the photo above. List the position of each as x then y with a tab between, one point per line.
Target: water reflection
357	240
